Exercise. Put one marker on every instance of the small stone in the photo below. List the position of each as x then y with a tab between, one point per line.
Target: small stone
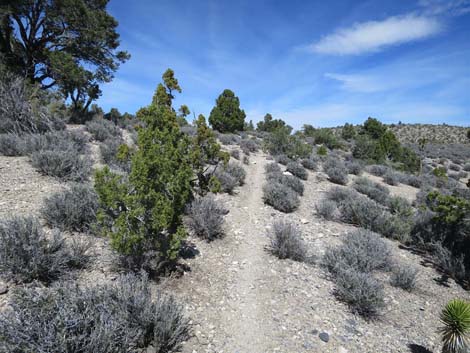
3	288
314	332
304	221
325	337
342	350
287	173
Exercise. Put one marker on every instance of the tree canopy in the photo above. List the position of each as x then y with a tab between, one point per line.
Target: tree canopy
227	116
71	44
269	124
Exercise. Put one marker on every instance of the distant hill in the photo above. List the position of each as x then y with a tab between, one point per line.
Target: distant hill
411	133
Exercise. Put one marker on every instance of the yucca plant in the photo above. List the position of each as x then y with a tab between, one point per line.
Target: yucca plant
455	332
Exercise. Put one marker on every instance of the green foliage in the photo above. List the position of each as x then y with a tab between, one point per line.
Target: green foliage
448	209
468	134
32	41
143	213
377	144
325	136
270	125
368	150
227	116
183	112
440	172
113	115
281	142
205	151
348	132
373	128
308	130
322	151
455	318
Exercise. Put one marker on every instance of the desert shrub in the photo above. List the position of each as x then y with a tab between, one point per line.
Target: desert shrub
374	190
73	209
454	167
362	251
448	262
411	180
354	167
391	178
327	209
206	217
27	254
287	243
236	171
246	160
361	291
67	165
281	197
229	139
322	151
339	194
56	140
297	170
282	159
272	168
462	174
116	153
378	169
309	164
12	144
226	182
235	154
115	317
325	136
280	141
248	145
361	211
455	318
102	129
27	109
440	172
404	277
348	131
287	180
399	206
466	167
337	174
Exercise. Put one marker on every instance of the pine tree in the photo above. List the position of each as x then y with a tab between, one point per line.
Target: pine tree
227	116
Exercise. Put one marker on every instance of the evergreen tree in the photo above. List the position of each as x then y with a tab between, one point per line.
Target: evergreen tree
205	152
227	116
143	214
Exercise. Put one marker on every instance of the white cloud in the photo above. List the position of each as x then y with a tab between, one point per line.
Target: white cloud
375	35
448	7
357	83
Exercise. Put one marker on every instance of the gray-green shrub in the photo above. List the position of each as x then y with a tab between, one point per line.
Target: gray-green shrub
296	169
123	316
12	145
287	242
309	164
372	189
27	254
404	277
206	218
327	209
67	164
102	129
281	197
73	209
361	250
361	291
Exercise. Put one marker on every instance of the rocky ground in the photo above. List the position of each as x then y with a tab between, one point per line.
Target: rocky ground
242	299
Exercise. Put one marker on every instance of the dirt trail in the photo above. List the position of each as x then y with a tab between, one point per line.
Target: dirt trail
248	325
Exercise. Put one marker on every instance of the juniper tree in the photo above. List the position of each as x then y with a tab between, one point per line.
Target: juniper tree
143	214
227	116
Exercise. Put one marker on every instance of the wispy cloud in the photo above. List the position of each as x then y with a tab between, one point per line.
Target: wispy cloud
448	7
375	35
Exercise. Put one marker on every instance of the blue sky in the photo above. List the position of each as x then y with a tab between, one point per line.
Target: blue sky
308	62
